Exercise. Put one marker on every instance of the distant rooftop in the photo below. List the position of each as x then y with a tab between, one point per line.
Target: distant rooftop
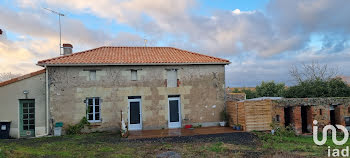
346	79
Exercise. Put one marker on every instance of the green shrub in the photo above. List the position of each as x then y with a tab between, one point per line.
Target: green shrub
283	131
76	129
223	115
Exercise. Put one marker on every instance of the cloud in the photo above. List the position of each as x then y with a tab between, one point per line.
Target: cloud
261	44
36	38
250	69
14	58
223	33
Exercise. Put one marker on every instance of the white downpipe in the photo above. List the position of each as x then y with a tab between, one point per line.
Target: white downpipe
47	99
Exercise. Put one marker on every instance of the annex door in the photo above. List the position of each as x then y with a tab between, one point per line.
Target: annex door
27	118
174	120
135	114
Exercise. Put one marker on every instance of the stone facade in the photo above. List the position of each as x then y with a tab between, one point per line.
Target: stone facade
235	96
201	89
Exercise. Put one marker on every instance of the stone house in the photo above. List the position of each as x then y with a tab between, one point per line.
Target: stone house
148	87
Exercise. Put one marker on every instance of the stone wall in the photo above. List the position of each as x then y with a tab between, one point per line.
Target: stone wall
201	89
277	115
235	96
321	113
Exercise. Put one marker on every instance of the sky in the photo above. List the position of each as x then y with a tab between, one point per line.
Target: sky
262	38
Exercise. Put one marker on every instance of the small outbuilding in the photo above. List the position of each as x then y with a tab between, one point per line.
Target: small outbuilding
260	114
23	103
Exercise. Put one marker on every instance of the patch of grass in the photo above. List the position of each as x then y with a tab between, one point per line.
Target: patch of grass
122	156
217	147
2	154
110	145
106	149
297	144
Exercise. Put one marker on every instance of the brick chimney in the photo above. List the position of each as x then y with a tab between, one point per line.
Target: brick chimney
67	49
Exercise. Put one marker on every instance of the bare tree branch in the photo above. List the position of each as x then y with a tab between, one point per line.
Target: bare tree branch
313	71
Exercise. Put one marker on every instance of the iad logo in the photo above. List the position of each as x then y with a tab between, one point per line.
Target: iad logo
334	134
335	152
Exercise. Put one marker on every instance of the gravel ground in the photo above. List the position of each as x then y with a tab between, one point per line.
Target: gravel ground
239	138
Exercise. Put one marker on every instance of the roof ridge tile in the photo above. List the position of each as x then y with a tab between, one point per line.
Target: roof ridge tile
139	55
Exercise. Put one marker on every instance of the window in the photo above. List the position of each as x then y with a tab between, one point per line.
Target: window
172	78
92	75
93	109
347	121
277	118
133	75
320	111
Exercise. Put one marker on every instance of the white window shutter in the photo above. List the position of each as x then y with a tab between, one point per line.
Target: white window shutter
171	78
133	75
92	75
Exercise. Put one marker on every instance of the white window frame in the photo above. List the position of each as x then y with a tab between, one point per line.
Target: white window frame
134	127
133	78
174	124
93	109
170	81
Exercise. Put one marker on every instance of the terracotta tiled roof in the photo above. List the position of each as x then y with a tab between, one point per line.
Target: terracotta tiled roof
22	77
133	56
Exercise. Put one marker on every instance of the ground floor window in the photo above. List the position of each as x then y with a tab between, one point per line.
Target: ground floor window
93	111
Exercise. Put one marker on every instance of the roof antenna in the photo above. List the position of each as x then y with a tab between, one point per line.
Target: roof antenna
145	42
59	22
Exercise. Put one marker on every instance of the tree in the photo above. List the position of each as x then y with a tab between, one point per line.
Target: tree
270	89
316	80
338	88
312	72
318	88
7	76
249	93
265	89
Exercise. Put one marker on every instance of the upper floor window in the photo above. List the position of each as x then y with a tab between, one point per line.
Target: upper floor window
172	78
92	75
93	111
133	75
